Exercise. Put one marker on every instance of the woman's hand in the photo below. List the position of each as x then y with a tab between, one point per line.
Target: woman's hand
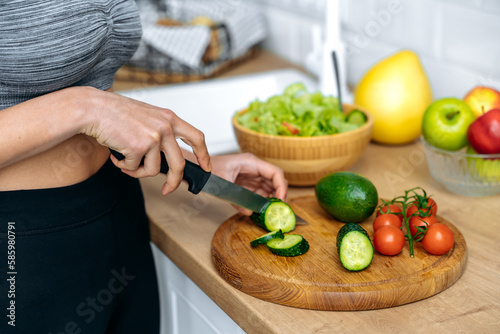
252	173
137	130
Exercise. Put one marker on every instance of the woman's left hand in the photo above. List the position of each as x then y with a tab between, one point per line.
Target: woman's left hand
252	173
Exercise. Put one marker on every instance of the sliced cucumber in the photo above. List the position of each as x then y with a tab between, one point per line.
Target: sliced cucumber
266	237
290	245
277	216
356	117
354	247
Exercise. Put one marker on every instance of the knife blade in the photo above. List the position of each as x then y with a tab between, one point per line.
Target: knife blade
200	180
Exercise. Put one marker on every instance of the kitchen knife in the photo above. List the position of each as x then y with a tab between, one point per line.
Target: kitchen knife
200	180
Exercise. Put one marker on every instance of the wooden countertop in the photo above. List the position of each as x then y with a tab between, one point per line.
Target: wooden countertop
183	226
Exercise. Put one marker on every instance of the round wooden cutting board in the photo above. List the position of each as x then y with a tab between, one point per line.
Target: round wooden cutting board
317	280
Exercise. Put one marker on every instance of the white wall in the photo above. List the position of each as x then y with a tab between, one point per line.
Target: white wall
458	41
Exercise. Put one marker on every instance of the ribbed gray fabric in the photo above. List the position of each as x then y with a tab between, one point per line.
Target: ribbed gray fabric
47	45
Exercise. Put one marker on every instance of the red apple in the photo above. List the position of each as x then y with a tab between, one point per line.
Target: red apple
484	133
482	99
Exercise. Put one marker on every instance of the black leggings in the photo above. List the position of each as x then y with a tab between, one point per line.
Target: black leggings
77	259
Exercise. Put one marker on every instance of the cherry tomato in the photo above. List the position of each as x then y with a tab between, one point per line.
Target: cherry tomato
438	239
389	240
432	203
421	221
393	209
424	205
414	208
293	130
386	219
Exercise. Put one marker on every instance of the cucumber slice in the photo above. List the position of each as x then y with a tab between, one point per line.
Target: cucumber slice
277	216
356	117
266	237
354	247
290	245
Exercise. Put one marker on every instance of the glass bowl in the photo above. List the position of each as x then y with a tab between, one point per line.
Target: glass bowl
464	173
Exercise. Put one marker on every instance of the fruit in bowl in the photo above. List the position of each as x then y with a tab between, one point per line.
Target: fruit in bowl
463	171
306	134
485	166
484	133
450	132
445	123
481	99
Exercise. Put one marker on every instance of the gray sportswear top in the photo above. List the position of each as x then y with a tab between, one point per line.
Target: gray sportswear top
47	45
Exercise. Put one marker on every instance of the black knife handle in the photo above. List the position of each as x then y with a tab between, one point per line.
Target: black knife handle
194	175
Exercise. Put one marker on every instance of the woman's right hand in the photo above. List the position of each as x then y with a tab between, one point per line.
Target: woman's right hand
137	130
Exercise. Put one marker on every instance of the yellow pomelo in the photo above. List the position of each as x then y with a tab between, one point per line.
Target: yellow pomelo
396	91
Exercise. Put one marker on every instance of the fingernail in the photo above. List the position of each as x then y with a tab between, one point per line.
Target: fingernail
165	190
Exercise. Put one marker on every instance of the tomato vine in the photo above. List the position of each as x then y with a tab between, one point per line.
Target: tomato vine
415	196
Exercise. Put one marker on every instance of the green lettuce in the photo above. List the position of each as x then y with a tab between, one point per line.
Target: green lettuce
296	112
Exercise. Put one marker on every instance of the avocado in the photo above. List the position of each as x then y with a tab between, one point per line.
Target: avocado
348	197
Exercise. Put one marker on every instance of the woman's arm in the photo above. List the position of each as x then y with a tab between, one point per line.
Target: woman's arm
37	125
130	127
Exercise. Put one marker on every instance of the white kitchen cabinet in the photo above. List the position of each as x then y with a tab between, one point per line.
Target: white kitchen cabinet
185	308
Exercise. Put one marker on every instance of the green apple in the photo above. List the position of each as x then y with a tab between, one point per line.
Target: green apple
445	123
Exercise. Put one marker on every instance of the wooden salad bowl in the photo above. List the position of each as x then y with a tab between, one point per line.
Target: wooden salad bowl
307	159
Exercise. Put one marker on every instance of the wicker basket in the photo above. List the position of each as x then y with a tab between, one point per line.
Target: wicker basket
306	159
160	76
